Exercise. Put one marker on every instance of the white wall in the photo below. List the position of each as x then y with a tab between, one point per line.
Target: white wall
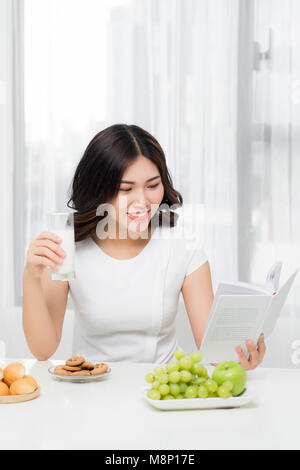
279	345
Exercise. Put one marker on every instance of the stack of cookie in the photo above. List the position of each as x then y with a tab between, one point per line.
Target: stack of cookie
77	366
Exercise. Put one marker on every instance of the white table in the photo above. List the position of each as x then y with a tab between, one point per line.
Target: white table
112	414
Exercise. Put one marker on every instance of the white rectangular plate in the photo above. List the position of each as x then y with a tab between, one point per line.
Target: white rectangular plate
200	403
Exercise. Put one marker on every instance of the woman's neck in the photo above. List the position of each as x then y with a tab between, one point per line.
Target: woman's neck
128	242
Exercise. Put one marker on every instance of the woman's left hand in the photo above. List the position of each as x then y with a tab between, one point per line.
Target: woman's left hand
256	354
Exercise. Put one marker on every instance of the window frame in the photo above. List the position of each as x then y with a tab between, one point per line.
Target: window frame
19	200
245	235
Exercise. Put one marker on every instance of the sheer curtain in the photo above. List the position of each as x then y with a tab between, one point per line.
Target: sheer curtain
193	66
274	171
6	152
10	141
276	143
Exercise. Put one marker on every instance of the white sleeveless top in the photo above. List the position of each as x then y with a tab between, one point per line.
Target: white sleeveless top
125	310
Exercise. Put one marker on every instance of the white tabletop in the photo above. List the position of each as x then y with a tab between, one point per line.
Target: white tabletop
112	414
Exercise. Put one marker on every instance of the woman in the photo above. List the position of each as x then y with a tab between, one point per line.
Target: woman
130	265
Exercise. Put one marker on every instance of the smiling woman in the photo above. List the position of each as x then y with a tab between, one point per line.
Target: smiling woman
126	290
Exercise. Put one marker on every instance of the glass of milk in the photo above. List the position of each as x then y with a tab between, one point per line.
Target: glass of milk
62	224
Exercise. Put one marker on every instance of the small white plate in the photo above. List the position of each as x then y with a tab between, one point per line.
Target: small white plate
79	379
200	403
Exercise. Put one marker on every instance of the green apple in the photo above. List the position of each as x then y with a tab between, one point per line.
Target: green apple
233	372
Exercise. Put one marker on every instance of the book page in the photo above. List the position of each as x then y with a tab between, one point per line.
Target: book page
240	288
277	304
234	319
234	288
273	276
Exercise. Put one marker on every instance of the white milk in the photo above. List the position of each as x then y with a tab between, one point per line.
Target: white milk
68	245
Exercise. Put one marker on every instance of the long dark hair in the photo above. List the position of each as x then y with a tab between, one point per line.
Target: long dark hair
99	173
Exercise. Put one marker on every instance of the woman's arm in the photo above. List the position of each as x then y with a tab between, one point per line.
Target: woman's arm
44	305
44	300
198	297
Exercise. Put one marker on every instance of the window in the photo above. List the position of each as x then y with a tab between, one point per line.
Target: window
148	63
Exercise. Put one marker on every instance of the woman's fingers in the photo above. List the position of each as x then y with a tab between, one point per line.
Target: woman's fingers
49	236
51	245
261	347
42	251
253	354
256	354
41	261
243	360
45	250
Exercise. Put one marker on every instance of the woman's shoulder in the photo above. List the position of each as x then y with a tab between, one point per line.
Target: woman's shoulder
187	246
182	233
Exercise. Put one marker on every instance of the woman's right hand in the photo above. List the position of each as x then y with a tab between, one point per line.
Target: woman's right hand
44	251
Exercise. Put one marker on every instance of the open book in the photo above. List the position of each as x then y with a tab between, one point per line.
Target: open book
242	311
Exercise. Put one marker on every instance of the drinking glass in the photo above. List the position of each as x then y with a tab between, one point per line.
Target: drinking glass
62	224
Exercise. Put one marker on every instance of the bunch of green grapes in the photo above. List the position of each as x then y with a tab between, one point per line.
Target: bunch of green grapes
184	378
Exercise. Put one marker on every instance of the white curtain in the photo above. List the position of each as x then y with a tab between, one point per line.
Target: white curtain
192	62
11	152
166	65
276	142
6	161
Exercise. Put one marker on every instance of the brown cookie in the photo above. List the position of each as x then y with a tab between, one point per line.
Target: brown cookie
72	369
88	366
99	369
61	367
81	373
59	371
75	361
102	365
